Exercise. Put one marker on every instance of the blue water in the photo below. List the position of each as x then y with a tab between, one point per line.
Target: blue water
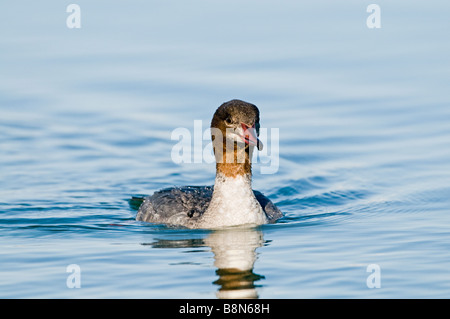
86	117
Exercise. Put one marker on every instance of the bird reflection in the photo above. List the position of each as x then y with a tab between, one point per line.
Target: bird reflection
234	257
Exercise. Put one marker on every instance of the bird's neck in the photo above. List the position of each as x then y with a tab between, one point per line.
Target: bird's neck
233	170
226	183
234	162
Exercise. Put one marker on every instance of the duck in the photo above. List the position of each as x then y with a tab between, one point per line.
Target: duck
231	201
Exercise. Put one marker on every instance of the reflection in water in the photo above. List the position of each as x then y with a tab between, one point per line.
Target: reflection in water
234	257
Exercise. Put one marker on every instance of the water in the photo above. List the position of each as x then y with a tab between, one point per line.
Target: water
364	167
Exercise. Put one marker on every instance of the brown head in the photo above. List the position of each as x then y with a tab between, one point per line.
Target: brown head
234	132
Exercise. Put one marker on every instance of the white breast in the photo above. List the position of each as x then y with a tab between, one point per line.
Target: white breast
233	203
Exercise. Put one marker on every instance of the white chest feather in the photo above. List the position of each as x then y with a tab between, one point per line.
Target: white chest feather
233	203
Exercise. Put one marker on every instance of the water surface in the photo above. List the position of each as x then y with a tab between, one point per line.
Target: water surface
86	118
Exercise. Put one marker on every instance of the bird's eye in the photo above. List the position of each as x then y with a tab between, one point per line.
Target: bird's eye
228	120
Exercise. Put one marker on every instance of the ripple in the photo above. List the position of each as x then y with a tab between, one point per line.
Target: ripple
326	199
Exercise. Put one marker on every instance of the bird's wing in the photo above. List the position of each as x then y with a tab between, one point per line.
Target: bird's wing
181	203
272	211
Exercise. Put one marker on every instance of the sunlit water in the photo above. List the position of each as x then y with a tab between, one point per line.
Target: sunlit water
364	161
